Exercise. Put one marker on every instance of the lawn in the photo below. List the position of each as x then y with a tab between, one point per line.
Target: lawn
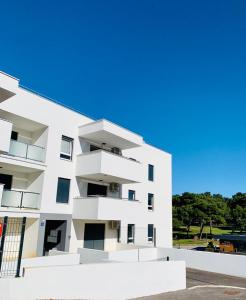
189	242
180	238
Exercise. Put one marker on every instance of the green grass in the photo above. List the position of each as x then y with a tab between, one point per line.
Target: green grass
194	230
180	237
189	242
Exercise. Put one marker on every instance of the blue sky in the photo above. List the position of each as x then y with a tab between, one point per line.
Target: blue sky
172	71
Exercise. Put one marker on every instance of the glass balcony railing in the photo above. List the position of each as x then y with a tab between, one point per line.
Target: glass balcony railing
28	151
20	199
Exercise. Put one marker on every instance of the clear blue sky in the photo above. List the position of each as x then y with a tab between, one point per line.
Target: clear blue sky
173	71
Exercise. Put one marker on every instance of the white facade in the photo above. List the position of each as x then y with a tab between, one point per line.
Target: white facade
107	161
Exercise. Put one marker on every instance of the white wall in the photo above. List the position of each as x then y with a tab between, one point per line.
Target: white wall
229	264
31	238
129	255
5	134
65	259
161	187
96	281
1	191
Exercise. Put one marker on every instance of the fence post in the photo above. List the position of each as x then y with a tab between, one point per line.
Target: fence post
23	226
5	223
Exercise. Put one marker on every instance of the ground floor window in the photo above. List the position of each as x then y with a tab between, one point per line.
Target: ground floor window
130	233
150	232
118	234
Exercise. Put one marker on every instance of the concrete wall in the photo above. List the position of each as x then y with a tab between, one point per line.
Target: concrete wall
130	255
31	238
5	133
96	281
64	259
161	188
229	264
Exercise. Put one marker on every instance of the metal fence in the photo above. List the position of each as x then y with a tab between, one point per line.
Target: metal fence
11	246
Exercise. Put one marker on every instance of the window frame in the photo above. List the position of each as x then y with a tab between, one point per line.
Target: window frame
63	155
131	239
134	195
151	206
151	167
57	199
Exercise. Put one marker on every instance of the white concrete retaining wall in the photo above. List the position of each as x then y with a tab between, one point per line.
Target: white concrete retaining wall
92	255
131	255
96	281
229	264
145	254
65	259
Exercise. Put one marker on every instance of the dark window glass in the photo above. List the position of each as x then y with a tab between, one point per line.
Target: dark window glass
118	234
130	233
151	173
63	187
96	190
94	148
14	135
150	201
150	232
131	195
6	180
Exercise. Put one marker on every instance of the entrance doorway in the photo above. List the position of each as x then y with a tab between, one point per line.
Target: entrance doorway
55	235
94	236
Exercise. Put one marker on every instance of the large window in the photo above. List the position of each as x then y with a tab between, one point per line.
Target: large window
66	148
63	188
151	173
150	201
131	195
150	232
130	233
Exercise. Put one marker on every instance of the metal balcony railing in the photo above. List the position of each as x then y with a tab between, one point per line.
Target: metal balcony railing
20	199
27	151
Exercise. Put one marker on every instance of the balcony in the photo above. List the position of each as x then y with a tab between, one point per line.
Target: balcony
27	151
8	86
20	199
105	208
108	167
110	134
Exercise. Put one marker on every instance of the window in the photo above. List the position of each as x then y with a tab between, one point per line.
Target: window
14	135
150	232
151	173
150	201
66	148
63	188
94	148
118	234
130	233
131	195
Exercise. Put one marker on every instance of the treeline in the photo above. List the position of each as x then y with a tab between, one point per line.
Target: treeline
208	209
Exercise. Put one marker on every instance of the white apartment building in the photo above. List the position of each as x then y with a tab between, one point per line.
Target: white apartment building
79	182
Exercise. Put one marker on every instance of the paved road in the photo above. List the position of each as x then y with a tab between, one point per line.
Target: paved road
205	285
196	277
